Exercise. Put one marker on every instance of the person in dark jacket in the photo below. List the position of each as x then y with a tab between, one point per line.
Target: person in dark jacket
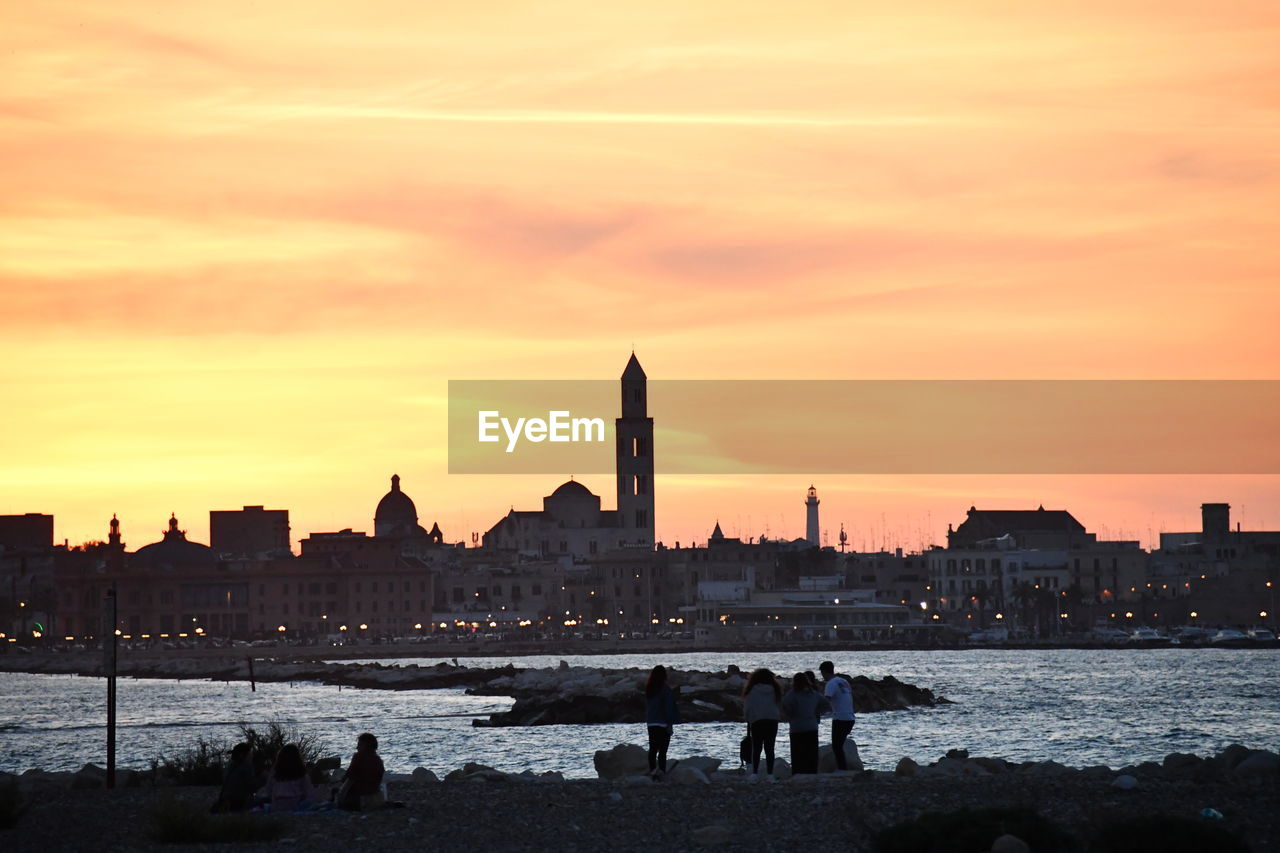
660	715
239	783
362	785
802	708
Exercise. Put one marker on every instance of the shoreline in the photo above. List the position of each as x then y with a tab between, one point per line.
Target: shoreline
481	808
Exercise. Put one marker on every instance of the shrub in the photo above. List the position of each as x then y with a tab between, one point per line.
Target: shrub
268	742
205	763
177	822
1166	835
10	804
972	831
201	764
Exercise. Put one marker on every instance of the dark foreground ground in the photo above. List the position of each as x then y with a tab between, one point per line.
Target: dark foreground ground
827	812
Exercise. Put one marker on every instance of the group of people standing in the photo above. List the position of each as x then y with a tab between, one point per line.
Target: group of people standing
765	705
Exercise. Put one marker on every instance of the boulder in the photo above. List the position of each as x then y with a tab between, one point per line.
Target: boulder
1009	844
686	774
827	757
1227	760
1260	764
991	765
422	774
1125	782
906	767
700	762
625	759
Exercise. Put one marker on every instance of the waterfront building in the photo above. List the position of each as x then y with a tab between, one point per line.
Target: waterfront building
250	532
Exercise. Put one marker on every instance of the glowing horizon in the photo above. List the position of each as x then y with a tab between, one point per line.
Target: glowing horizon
243	249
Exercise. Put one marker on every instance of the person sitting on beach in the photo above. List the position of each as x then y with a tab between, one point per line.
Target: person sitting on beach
289	787
760	706
803	706
840	694
660	714
239	783
362	785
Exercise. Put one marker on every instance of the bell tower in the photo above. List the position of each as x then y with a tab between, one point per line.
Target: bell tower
634	459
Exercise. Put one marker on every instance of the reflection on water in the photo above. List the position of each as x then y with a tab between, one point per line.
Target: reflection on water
1076	707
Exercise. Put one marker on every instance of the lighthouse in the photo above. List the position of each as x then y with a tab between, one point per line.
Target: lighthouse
811	518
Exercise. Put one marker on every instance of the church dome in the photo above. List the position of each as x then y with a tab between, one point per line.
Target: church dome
396	515
572	489
174	550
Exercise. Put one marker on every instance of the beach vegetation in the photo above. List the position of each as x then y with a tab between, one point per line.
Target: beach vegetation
973	831
204	762
174	821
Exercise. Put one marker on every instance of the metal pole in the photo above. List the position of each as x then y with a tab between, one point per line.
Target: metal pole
109	670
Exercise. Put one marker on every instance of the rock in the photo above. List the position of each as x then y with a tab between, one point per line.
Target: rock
827	757
625	759
89	776
551	776
685	774
1231	756
615	796
781	769
1125	782
1260	764
329	763
701	762
957	753
714	835
422	774
991	765
1049	768
1009	844
906	767
637	780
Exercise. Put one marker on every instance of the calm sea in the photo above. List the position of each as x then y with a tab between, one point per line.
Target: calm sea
1077	707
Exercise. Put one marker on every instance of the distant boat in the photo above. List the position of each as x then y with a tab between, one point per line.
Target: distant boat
1263	636
1144	636
1107	634
1191	635
1230	638
990	635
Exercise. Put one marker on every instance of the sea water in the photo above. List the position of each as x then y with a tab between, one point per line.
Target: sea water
1076	707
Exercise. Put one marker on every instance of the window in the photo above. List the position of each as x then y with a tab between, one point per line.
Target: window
591	547
641	518
373	587
457	594
284	589
537	589
374	606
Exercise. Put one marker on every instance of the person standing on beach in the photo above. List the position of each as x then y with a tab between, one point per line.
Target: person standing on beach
840	694
803	706
760	700
660	715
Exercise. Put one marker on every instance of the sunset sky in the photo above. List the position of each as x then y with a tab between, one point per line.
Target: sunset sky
243	246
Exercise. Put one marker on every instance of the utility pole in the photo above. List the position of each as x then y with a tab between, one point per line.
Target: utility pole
109	616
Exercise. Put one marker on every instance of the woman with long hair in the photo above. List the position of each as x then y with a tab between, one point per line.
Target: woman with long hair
660	715
760	698
289	788
802	707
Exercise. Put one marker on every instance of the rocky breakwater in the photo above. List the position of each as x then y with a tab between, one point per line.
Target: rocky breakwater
583	695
